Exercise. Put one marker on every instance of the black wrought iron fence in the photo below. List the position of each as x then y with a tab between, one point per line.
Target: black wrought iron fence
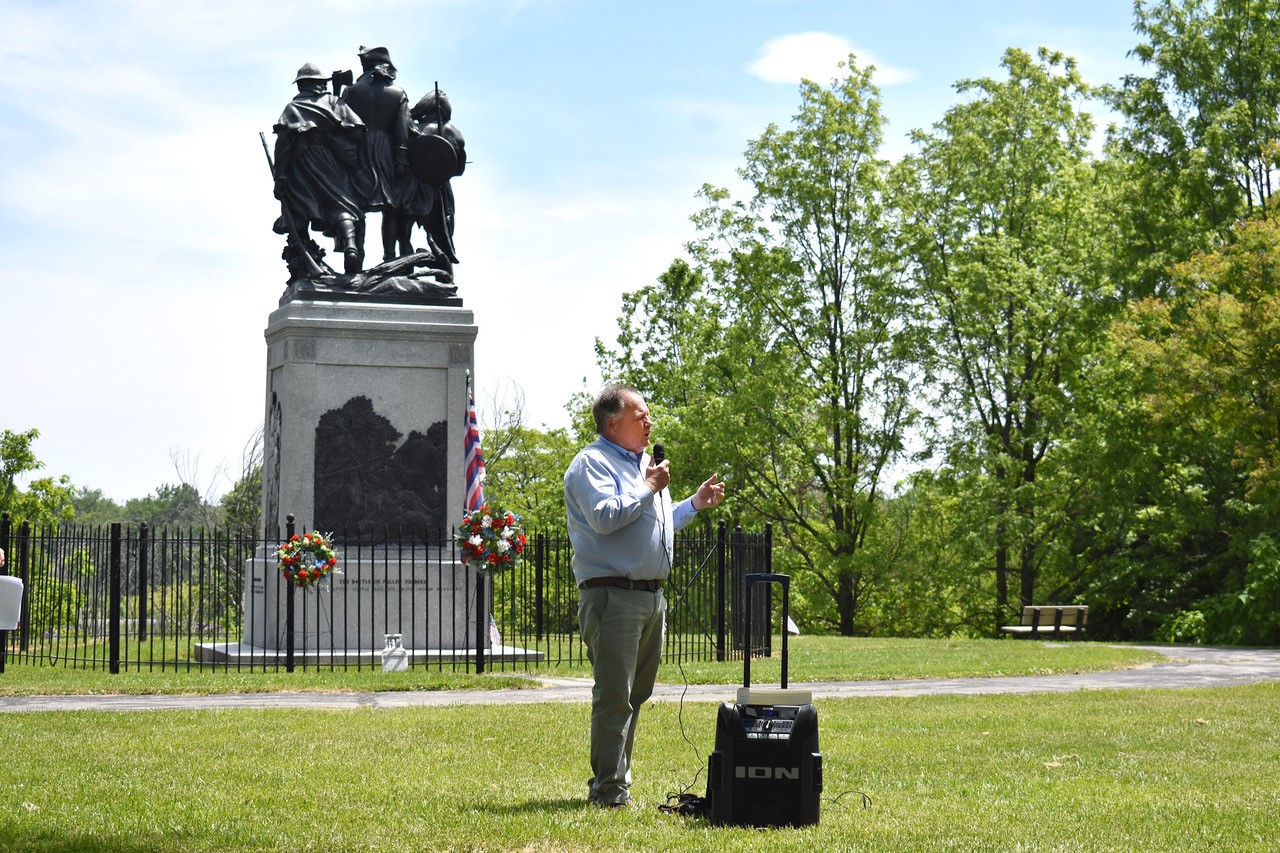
125	597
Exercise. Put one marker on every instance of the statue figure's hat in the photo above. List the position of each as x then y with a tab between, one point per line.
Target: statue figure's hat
374	56
310	71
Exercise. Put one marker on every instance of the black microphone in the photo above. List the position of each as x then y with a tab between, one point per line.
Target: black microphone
659	453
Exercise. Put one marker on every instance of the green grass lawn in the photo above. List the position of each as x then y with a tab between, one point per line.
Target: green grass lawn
1097	770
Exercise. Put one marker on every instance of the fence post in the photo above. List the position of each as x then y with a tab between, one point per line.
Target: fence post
539	557
144	594
722	559
113	607
482	623
24	572
768	562
4	546
289	604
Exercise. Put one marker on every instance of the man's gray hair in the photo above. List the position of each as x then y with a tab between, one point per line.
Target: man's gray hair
610	402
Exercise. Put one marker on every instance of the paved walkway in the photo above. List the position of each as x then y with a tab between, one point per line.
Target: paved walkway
1187	667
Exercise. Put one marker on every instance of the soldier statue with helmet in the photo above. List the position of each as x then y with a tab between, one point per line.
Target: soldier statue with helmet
317	140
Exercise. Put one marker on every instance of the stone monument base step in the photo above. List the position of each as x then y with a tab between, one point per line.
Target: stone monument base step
243	654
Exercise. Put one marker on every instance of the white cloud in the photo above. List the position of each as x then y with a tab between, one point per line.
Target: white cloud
815	56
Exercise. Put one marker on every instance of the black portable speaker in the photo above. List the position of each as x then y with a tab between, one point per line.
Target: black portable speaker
766	769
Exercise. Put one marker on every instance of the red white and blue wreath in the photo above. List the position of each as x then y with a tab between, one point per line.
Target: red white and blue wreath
491	540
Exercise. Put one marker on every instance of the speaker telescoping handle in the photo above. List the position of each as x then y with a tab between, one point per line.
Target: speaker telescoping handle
766	578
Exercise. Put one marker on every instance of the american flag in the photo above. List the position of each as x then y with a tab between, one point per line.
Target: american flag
474	458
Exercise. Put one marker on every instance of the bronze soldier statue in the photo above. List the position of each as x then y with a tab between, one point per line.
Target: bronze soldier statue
317	139
384	109
437	153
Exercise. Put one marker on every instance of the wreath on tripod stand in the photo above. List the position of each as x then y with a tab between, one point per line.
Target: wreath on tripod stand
306	559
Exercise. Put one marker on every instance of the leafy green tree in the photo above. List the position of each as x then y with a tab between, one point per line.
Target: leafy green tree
524	467
241	506
94	507
1008	246
16	458
784	357
1181	538
526	474
46	500
1198	148
170	505
928	541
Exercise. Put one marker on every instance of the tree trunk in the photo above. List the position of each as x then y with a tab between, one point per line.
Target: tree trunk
1002	579
846	602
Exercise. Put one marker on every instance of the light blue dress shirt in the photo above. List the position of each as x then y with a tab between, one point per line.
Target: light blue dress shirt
617	526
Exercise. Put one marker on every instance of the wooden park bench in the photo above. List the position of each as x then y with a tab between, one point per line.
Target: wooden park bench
1058	622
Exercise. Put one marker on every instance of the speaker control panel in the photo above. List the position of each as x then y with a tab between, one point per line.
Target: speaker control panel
768	722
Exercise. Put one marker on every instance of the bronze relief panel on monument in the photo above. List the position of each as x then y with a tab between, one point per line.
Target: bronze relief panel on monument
370	484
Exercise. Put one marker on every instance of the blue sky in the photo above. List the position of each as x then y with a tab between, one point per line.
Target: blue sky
137	263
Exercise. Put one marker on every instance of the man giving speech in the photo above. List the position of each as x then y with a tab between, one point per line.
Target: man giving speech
621	527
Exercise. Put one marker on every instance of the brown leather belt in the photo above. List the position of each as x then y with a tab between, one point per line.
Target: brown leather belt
624	583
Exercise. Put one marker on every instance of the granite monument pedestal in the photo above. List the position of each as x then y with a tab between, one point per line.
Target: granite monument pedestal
364	415
363	438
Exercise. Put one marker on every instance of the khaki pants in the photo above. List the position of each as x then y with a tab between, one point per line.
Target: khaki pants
623	630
